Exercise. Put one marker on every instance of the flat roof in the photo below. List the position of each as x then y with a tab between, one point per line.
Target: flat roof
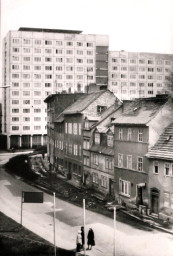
64	31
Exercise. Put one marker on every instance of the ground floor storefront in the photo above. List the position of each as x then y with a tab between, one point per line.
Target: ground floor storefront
26	141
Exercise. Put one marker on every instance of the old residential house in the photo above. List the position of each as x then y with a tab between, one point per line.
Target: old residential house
98	151
160	184
136	131
69	135
56	103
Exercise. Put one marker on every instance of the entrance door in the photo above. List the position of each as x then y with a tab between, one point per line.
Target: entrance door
111	187
154	203
139	196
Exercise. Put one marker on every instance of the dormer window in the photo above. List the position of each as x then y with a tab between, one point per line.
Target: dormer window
97	138
110	141
100	109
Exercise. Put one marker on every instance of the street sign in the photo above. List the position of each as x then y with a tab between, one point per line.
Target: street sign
32	197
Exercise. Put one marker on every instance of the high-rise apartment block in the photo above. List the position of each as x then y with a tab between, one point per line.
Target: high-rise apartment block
39	62
135	75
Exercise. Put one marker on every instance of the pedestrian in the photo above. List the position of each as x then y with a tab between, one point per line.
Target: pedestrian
78	241
91	241
83	236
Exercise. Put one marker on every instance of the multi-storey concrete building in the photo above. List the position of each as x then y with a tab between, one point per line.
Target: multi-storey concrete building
135	75
38	62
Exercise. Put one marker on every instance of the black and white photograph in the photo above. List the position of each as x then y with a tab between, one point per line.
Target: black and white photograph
86	128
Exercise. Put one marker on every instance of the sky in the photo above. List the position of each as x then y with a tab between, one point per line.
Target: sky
132	25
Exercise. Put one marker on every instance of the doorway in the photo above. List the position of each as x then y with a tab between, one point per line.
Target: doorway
155	201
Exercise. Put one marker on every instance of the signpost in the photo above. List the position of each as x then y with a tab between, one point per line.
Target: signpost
31	197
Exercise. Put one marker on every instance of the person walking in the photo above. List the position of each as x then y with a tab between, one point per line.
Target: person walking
83	236
91	241
78	241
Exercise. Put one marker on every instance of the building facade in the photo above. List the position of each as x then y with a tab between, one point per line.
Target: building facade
136	131
39	62
161	175
68	127
138	74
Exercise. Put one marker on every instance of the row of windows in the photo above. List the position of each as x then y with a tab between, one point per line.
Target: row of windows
27	119
69	148
125	84
50	59
109	139
27	110
49	68
134	92
142	61
139	166
25	93
168	168
51	51
108	161
141	69
51	42
16	102
50	76
73	128
129	134
103	181
27	128
142	77
46	85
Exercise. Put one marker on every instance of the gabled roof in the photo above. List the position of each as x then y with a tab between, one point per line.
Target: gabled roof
82	103
140	111
163	149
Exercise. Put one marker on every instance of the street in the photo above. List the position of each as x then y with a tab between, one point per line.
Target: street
38	218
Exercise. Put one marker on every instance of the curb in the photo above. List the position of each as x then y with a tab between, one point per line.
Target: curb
151	225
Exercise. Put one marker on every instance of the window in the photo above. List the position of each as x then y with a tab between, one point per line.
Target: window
58	68
37	76
49	76
75	149
37	102
95	177
37	118
48	42
140	164
74	128
15	75
70	128
103	181
15	49
66	127
48	84
100	109
37	93
15	84
26	119
37	42
89	52
26	101
69	77
48	51
86	144
90	61
69	68
79	60
86	160
80	129
26	76
79	52
97	138
155	167
129	134
37	127
15	110
26	50
129	162
108	163
15	41
15	119
124	187
26	58
15	128
26	110
26	93
166	200
89	44
167	169
37	110
120	134
110	140
79	44
15	67
69	51
120	160
15	93
60	60
150	84
59	43
26	128
95	159
150	62
48	59
140	135
70	149
48	67
69	43
69	60
37	59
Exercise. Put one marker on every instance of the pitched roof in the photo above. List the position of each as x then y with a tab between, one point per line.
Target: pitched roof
140	111
163	149
102	150
82	103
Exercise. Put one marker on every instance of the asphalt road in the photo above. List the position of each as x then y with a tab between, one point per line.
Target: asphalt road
129	240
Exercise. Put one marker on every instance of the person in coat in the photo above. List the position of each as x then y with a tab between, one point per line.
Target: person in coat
78	241
91	241
83	237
